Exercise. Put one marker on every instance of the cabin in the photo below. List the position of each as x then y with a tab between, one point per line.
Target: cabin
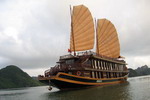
91	65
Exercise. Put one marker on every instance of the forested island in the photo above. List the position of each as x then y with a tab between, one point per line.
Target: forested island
140	71
13	77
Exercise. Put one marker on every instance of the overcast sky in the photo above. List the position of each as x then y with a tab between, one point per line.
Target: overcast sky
34	33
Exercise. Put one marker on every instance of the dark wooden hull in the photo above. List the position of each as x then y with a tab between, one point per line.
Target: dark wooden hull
65	81
62	85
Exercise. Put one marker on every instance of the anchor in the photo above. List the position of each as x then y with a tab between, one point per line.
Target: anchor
50	88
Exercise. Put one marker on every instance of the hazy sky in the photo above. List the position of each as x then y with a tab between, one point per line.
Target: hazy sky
34	33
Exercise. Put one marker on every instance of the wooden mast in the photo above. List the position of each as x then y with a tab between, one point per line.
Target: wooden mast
97	47
72	33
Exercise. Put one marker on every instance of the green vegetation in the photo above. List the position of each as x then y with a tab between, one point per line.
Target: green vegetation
13	77
140	71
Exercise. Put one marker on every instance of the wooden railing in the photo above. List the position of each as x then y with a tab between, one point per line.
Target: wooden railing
90	53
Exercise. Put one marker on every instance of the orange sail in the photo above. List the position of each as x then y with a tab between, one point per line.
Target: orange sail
82	33
107	39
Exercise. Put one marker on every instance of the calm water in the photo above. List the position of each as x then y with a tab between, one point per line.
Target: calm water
135	89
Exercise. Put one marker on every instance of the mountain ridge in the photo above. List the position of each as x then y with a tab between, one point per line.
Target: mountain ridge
140	71
13	77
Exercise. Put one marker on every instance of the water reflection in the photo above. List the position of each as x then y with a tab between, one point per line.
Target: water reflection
113	92
135	89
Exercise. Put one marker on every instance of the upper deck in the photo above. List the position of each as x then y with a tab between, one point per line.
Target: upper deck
95	55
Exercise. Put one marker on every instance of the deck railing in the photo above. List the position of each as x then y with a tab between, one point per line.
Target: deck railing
90	53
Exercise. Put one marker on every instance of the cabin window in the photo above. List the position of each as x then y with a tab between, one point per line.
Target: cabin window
116	65
95	64
113	66
86	74
121	67
93	76
110	74
98	64
70	73
107	74
114	75
124	67
96	74
99	74
102	75
106	65
102	66
70	61
120	75
117	74
110	67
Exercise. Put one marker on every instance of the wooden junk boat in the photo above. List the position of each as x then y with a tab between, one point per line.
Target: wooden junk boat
87	68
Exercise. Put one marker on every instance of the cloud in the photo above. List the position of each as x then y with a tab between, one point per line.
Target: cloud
34	33
28	34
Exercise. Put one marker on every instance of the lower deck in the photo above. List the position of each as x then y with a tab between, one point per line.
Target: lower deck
98	73
66	81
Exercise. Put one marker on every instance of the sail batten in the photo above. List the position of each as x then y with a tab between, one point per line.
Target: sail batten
87	26
82	34
107	39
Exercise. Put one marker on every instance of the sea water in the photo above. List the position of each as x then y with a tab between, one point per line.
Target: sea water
137	88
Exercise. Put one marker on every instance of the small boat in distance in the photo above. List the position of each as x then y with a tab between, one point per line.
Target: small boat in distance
85	68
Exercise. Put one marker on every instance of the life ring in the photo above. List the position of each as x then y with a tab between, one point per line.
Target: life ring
78	73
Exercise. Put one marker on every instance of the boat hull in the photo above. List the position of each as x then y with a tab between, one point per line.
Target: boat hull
65	81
